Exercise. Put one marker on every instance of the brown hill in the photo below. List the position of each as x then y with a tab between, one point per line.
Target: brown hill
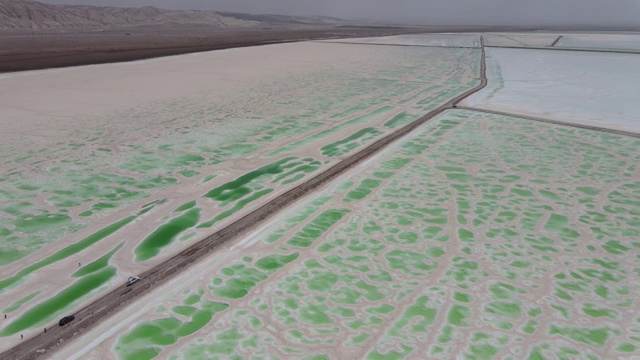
27	14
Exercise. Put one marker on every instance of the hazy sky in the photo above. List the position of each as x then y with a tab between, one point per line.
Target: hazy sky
469	12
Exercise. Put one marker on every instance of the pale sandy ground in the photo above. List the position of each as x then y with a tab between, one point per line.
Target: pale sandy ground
41	108
64	99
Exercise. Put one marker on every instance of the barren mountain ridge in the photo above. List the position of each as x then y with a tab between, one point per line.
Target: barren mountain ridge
27	14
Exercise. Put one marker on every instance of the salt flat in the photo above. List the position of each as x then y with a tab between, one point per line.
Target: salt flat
438	40
110	169
514	244
601	41
596	89
475	236
519	39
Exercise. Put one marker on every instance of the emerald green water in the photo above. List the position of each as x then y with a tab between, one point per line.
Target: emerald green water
93	276
317	227
143	341
18	304
236	189
28	227
350	143
166	234
234	195
275	262
88	178
237	207
416	319
97	265
400	120
53	308
66	252
302	215
247	188
240	278
202	134
364	119
445	256
451	238
146	340
363	190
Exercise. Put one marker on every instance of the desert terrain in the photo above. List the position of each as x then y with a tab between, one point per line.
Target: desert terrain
456	196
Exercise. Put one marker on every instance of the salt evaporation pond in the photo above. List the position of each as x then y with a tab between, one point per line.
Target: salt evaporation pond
110	169
437	40
596	89
520	40
478	236
601	41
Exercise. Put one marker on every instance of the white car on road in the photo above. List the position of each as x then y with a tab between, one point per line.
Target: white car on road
132	280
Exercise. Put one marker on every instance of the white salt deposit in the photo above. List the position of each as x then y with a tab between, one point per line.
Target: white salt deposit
520	40
602	41
443	40
596	89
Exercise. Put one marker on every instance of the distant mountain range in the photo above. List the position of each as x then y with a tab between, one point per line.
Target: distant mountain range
27	14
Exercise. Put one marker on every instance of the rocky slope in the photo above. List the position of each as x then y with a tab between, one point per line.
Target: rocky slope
27	14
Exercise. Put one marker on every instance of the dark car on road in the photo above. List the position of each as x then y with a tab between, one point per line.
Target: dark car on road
65	320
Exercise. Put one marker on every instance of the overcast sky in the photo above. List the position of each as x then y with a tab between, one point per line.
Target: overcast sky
468	12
